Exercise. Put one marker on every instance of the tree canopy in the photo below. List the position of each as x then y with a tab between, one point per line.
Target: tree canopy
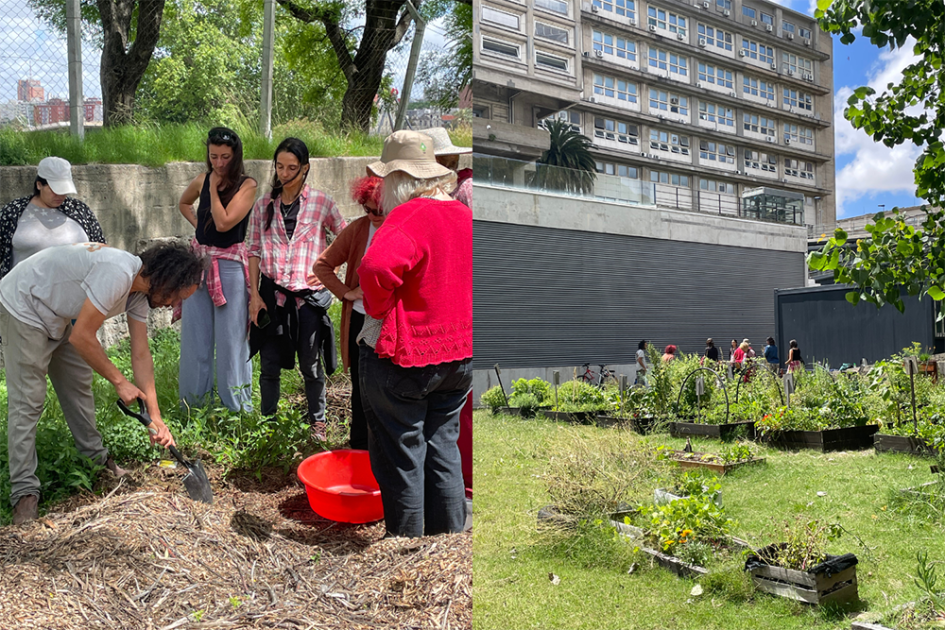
897	254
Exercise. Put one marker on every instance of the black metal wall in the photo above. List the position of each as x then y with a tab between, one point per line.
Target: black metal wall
546	297
828	328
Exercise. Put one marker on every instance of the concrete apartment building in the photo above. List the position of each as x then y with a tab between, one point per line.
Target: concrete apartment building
711	129
706	99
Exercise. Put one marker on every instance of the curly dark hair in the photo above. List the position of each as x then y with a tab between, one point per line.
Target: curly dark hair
171	267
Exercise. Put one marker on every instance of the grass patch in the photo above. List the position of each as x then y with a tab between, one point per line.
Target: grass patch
512	558
156	145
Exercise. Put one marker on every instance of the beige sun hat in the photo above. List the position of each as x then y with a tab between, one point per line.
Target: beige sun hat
410	152
442	144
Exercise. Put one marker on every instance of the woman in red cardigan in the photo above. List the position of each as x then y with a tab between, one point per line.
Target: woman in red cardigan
416	344
348	248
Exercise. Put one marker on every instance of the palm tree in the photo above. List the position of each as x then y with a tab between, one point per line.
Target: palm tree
567	165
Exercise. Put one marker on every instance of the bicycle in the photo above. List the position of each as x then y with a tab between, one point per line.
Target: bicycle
597	379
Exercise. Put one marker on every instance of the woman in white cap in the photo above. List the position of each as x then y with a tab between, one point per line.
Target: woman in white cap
46	218
416	343
448	154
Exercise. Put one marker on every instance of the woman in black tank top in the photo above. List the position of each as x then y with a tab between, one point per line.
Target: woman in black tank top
215	319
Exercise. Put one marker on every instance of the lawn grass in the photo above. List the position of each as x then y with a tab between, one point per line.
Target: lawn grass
156	145
512	560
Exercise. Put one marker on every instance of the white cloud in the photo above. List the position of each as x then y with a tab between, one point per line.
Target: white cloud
874	168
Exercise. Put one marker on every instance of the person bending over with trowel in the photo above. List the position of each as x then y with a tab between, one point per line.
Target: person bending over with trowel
62	295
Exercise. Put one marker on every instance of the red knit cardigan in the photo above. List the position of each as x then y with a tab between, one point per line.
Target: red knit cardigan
417	277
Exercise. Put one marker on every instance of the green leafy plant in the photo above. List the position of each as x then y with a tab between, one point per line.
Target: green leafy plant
691	519
927	580
527	403
537	387
805	544
493	398
738	452
578	396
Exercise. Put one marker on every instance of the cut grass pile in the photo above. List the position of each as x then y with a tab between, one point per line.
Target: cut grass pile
514	562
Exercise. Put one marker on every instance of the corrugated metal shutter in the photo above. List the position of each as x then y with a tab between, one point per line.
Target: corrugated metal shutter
551	297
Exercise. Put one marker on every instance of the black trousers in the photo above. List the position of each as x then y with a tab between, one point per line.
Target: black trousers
310	365
359	430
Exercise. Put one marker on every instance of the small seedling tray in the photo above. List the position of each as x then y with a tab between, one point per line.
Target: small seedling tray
694	460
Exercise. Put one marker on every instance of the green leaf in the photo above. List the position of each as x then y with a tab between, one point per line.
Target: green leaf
840	235
823	5
853	298
816	261
936	293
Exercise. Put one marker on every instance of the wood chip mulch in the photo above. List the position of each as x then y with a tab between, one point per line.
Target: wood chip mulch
146	557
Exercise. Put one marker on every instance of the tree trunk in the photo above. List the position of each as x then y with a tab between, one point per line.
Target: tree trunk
382	32
124	64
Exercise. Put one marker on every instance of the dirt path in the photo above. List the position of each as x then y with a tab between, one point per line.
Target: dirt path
144	556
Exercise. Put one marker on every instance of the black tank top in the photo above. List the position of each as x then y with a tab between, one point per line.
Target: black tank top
207	233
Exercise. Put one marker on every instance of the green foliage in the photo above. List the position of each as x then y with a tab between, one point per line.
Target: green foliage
672	525
567	165
927	580
731	583
697	481
738	452
820	401
804	544
493	398
537	387
578	396
527	403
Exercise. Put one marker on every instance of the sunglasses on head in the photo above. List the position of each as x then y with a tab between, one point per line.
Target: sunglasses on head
216	137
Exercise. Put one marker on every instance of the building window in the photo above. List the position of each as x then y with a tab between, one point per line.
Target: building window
804	32
758	87
656	17
712	185
669	102
725	5
554	33
658	58
716	152
717	113
787	27
715	37
677	64
797	99
604	86
551	62
620	170
798	135
555	6
669	178
480	111
767	19
717	76
754	50
792	64
500	47
761	161
668	141
611	45
749	12
618	130
626	91
567	116
501	18
677	24
759	124
626	8
799	168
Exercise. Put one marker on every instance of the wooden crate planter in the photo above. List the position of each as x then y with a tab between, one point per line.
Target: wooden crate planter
845	439
643	424
805	586
901	444
675	565
576	417
727	431
716	466
605	421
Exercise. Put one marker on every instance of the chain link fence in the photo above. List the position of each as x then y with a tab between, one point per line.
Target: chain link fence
308	82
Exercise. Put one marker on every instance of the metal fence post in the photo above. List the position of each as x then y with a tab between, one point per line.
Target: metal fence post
411	66
265	92
74	46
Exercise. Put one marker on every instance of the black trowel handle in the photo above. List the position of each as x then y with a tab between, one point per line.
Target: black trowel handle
145	419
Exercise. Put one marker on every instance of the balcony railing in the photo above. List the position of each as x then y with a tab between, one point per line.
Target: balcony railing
541	178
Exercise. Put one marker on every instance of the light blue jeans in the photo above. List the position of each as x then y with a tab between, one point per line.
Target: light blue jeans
205	327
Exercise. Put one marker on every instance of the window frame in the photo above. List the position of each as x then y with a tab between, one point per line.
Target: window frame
566	12
725	43
568	33
483	19
621	7
550	68
727	81
749	12
499	54
725	118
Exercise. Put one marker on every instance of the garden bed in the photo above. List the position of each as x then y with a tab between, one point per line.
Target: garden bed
728	431
522	412
708	461
884	443
576	417
845	439
830	582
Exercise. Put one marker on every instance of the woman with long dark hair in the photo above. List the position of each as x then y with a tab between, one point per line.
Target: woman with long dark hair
214	319
288	305
349	248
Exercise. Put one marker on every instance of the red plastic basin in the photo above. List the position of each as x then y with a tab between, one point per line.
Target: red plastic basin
341	486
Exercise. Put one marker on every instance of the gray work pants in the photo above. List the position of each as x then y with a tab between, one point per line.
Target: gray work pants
28	356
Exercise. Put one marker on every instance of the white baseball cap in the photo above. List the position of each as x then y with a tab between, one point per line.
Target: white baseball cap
58	174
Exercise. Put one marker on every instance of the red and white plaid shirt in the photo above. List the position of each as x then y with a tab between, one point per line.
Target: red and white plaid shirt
289	263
